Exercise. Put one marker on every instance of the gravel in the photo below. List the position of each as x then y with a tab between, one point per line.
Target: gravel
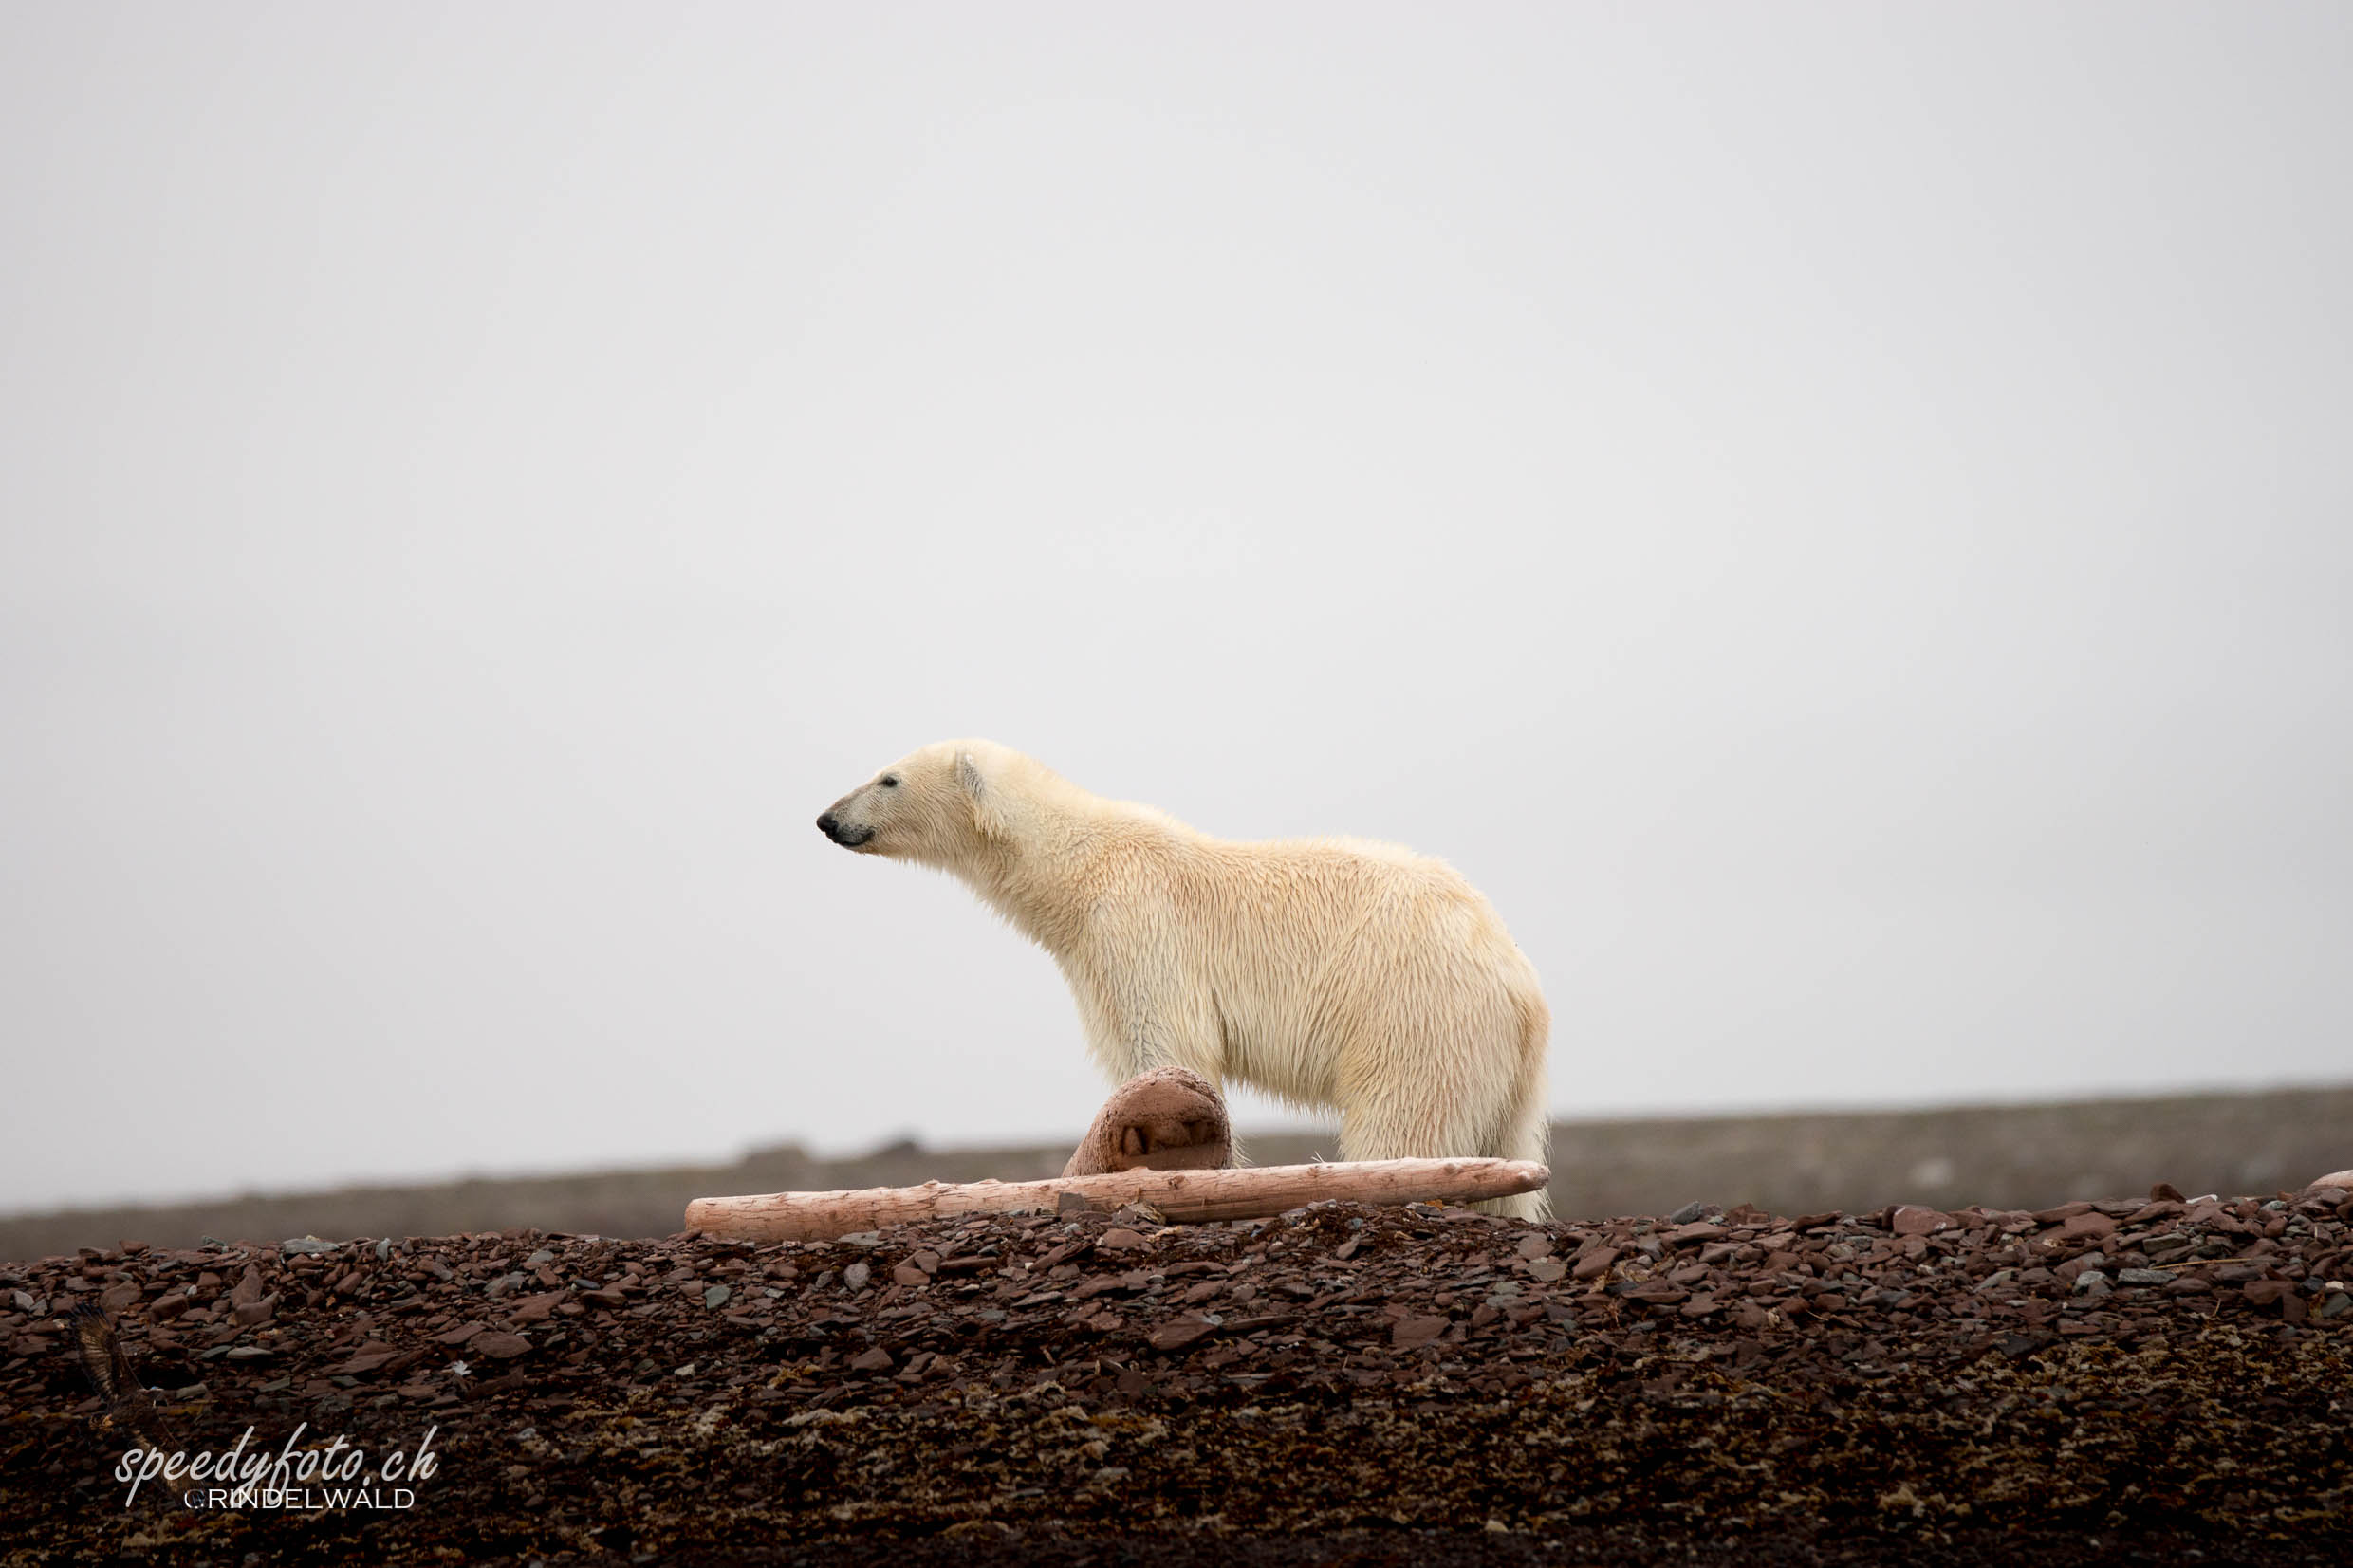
1342	1382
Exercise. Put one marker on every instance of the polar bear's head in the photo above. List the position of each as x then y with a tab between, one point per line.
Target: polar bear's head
936	805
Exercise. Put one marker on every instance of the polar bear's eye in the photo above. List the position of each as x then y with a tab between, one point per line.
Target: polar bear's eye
890	780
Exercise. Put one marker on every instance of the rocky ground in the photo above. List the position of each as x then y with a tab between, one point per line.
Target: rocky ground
1340	1384
2015	1156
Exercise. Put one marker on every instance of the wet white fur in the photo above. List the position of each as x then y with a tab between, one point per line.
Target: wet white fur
1329	972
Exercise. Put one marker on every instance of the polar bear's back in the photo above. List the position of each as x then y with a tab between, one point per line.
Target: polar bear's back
1324	889
1314	946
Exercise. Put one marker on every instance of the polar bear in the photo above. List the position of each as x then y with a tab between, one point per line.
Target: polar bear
1330	972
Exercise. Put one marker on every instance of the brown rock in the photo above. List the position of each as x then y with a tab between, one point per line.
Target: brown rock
1183	1332
1166	1119
1595	1261
908	1274
535	1309
1535	1244
1547	1270
1119	1238
1410	1332
248	1288
460	1334
876	1360
1913	1220
504	1347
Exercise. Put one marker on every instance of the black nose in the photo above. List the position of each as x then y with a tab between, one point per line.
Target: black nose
826	825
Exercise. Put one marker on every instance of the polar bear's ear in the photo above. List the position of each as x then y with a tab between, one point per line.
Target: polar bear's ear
968	776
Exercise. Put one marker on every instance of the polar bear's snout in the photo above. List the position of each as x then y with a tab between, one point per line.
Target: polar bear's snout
888	815
848	838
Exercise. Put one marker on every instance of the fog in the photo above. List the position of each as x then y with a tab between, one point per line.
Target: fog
1834	517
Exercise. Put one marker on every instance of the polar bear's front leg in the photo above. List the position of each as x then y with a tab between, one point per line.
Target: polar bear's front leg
1140	1007
1135	1029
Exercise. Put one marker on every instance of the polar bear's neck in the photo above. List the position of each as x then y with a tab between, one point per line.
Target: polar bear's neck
1051	851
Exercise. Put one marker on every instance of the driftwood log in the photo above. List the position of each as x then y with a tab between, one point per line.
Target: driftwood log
1250	1192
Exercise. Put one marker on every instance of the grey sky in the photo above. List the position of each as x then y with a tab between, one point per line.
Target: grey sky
1835	517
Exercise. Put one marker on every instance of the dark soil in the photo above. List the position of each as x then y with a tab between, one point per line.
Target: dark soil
1339	1385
